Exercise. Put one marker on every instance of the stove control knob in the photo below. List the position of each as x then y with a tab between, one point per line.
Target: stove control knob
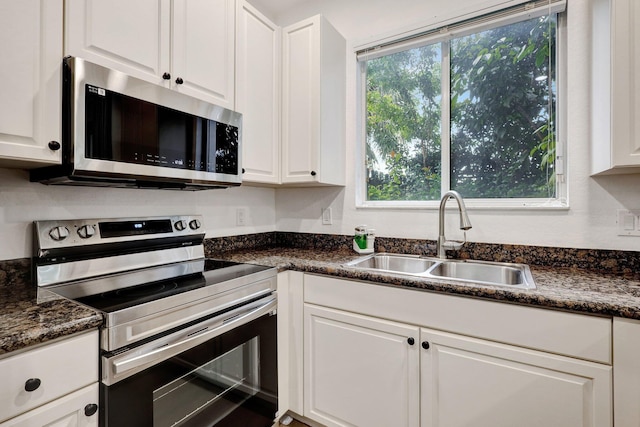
59	233
194	224
180	225
86	231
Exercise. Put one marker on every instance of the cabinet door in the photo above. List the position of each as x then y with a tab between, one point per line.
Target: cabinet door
625	83
30	105
615	124
129	36
203	49
258	94
313	103
471	382
301	101
359	371
626	376
69	411
41	375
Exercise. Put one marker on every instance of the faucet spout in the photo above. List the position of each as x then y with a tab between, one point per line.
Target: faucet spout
465	223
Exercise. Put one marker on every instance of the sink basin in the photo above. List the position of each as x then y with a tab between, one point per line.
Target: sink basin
411	264
503	274
478	272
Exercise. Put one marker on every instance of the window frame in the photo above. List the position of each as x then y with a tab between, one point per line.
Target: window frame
442	34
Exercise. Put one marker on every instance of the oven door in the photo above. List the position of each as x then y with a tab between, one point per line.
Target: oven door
226	375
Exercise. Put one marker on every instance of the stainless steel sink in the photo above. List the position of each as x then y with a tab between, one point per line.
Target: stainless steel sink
410	264
469	271
502	274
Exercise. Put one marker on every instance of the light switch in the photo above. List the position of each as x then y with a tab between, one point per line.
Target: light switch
241	216
326	216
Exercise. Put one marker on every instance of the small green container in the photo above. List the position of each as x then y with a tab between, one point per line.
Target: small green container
360	236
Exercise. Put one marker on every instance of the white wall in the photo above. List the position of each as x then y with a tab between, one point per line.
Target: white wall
22	202
589	223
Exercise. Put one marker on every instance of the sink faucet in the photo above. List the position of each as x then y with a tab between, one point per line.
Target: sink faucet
465	224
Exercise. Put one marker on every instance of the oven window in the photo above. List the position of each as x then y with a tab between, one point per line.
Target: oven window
228	381
219	386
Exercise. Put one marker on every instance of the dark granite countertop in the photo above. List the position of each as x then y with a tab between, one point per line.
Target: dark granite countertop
565	288
29	316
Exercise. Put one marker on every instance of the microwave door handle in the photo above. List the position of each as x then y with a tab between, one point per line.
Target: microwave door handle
221	324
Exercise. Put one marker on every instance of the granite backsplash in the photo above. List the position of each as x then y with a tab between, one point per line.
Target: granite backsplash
605	261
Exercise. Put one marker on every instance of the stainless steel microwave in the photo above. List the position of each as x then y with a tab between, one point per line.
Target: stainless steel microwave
119	131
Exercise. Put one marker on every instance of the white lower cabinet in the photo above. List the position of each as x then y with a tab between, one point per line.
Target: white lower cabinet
72	410
626	373
51	385
372	357
360	371
471	382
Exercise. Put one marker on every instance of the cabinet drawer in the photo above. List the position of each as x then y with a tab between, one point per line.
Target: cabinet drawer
61	368
68	411
569	334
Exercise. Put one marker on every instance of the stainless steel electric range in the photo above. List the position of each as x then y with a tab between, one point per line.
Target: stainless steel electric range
186	341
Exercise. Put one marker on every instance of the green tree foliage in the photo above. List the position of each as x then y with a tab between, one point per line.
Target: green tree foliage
403	125
502	116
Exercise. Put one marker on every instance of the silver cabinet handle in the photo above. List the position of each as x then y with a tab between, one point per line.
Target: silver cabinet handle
127	365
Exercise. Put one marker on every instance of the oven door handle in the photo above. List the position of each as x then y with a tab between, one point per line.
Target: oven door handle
126	364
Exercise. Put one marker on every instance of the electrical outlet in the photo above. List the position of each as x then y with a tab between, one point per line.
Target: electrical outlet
326	216
241	216
628	222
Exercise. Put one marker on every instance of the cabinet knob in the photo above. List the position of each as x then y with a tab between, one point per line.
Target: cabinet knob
313	173
32	384
425	345
166	76
90	409
179	81
411	341
242	170
54	145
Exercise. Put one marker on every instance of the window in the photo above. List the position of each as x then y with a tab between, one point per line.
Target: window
470	107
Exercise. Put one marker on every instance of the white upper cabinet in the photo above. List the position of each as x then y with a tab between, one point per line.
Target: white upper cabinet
313	103
258	64
132	37
616	87
185	45
30	105
203	49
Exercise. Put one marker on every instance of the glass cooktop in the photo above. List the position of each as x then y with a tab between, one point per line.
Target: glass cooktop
215	273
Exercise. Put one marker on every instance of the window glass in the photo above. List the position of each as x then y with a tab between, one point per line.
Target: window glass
502	98
404	94
474	113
